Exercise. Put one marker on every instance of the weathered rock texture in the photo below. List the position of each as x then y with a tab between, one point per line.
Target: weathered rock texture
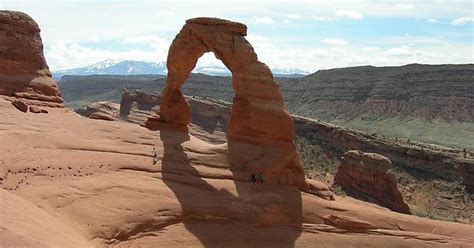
258	114
23	69
368	173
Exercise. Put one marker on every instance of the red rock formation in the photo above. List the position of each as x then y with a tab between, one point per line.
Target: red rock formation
367	173
258	114
23	69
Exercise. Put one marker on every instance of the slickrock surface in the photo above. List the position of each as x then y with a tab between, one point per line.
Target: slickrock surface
368	174
97	183
259	122
23	69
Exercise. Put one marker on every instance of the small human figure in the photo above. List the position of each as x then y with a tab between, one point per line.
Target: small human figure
260	177
155	155
253	178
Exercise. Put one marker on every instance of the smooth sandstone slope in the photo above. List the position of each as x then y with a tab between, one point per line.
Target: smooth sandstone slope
98	179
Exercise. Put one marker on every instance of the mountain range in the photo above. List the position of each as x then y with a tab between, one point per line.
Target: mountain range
134	67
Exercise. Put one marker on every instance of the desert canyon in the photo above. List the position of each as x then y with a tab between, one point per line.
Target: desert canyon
71	181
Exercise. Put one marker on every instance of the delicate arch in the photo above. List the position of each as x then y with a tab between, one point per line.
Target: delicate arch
257	110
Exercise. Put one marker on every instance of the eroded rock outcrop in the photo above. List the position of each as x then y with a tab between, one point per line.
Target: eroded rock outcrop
259	125
23	69
143	101
100	110
368	173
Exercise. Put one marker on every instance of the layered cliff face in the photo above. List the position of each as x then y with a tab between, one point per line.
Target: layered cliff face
23	69
368	174
371	93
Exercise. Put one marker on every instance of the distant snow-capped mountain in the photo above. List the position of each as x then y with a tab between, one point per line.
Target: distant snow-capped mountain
132	67
114	67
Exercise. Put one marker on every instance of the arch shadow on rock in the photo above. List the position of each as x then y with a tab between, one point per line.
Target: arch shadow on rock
226	212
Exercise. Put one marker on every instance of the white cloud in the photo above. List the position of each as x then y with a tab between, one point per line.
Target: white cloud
334	42
462	20
349	14
432	20
67	54
263	20
322	18
401	51
294	16
287	21
93	38
405	6
144	39
313	58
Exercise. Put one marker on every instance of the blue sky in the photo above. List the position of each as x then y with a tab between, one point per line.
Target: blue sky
307	35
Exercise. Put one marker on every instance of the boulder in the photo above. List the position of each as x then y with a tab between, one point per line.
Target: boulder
23	69
368	175
320	189
35	109
20	105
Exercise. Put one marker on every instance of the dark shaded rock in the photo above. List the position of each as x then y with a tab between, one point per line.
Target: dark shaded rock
20	105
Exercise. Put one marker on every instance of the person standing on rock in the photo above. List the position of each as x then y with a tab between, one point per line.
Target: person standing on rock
155	155
253	178
260	177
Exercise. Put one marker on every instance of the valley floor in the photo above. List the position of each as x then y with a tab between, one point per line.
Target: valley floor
69	181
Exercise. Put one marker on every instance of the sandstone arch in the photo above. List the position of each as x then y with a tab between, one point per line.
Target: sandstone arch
257	109
260	129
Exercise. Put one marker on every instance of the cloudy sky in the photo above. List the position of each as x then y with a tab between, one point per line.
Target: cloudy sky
308	35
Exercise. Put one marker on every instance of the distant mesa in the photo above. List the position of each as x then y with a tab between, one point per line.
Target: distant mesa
23	70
